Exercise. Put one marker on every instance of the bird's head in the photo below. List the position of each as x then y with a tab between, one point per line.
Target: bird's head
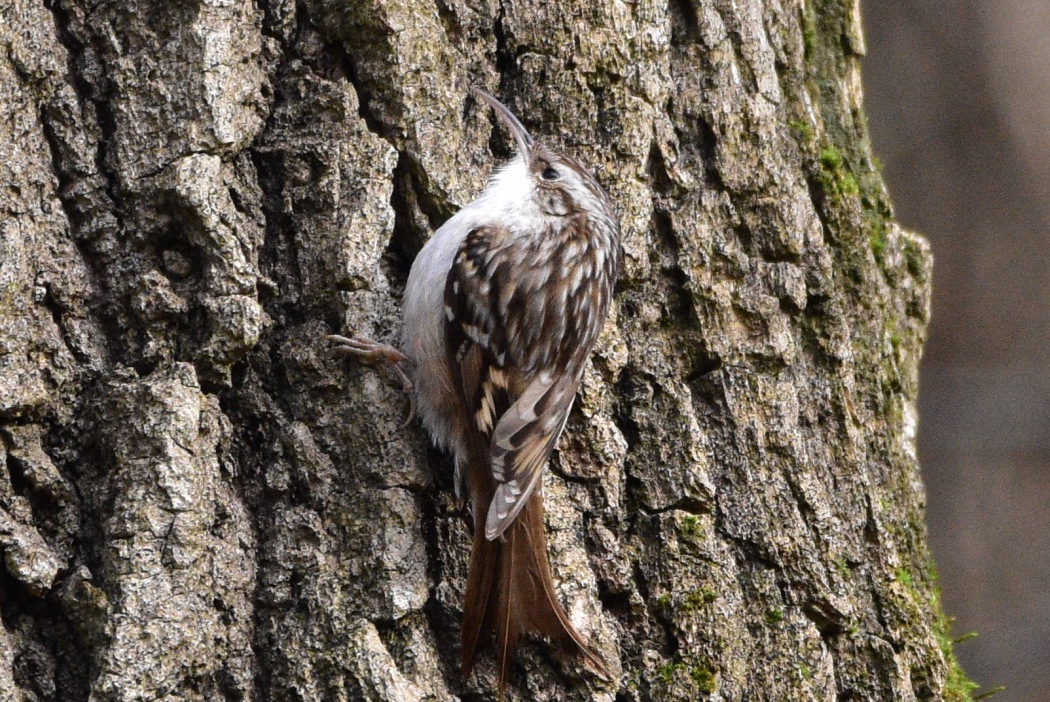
552	182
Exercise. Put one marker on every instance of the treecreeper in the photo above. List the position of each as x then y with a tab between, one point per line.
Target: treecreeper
502	308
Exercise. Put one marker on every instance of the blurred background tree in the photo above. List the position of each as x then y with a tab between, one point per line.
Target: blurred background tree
958	94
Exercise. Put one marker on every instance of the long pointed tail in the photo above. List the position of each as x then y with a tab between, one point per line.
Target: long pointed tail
510	591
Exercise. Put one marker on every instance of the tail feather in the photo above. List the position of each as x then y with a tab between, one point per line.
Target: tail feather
478	617
510	591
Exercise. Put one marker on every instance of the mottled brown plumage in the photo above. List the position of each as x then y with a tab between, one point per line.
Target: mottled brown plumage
524	304
502	309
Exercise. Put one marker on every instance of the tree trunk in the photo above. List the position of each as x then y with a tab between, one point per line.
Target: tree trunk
200	503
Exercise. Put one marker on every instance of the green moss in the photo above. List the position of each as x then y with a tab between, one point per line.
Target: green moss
831	158
957	687
835	176
775	616
664	600
809	33
844	167
877	234
691	526
842	566
689	679
704	679
698	598
904	577
914	258
803	131
668	670
845	184
828	35
805	671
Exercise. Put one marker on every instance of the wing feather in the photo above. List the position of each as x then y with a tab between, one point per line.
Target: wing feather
516	357
522	443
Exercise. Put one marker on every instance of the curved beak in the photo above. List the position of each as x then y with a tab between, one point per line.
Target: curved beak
521	135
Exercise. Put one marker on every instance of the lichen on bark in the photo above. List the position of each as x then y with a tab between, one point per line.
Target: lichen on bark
199	502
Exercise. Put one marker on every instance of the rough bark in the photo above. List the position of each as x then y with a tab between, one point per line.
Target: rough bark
199	503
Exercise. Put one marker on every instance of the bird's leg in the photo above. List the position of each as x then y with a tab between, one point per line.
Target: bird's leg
367	349
375	352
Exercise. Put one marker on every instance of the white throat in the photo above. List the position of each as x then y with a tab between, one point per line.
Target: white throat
509	195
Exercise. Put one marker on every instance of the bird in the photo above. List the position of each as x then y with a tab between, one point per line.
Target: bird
502	309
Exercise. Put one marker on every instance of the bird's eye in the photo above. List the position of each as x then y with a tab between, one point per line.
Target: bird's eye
550	173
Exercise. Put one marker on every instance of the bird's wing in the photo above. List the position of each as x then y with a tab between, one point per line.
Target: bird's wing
518	399
522	443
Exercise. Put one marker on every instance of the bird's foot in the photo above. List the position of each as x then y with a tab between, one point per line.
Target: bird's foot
375	352
366	349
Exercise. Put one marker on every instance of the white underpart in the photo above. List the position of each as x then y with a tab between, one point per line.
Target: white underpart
507	198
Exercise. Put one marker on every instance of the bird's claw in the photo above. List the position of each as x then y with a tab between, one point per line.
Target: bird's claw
375	352
366	349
